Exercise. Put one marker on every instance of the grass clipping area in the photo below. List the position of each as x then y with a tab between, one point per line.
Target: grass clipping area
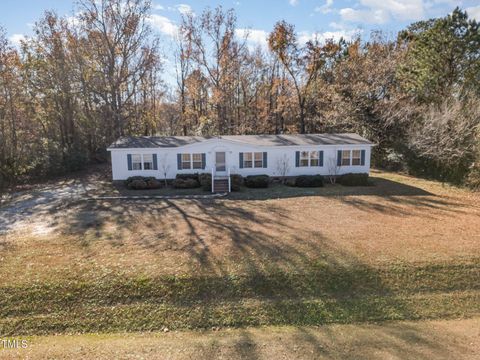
320	295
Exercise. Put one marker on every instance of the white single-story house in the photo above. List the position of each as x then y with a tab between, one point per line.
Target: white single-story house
273	155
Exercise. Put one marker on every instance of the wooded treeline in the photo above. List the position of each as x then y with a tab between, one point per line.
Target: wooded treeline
81	82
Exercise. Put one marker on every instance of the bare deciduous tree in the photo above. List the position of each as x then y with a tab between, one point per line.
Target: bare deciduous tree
283	167
164	165
333	170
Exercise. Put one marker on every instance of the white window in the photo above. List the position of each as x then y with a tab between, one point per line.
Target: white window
356	157
147	162
247	160
136	162
186	161
196	161
351	157
314	158
304	158
258	159
309	158
346	158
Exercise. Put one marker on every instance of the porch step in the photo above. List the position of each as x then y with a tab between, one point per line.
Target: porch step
220	185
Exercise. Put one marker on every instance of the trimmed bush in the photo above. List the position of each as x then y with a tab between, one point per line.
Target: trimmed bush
309	181
290	181
194	176
153	183
257	181
236	181
141	182
185	184
354	179
137	184
205	180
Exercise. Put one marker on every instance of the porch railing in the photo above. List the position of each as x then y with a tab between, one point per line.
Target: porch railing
214	174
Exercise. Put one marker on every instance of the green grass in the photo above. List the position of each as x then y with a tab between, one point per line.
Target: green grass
324	294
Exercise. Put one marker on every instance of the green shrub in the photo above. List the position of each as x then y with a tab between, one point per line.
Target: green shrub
142	182
137	184
185	183
290	181
153	183
205	180
354	179
75	160
257	181
309	181
236	181
194	176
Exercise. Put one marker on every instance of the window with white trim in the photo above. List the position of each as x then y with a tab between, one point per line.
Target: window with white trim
253	160
309	158
356	157
196	161
345	157
351	157
258	156
147	161
136	162
304	157
314	160
191	161
186	161
247	160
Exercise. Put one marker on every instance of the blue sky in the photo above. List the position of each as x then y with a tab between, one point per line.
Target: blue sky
326	18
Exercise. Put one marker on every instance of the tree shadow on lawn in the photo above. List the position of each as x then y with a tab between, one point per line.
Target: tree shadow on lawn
379	187
384	196
389	340
296	275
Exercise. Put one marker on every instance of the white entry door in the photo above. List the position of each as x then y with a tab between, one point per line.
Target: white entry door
220	162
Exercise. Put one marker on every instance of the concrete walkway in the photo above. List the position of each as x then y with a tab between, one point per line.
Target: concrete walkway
159	197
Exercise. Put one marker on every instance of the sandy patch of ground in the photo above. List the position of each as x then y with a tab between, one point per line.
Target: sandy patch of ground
445	339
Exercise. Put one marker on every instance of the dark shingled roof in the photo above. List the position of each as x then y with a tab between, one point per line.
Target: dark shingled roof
257	140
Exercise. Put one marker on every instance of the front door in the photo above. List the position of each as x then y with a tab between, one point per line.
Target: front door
220	165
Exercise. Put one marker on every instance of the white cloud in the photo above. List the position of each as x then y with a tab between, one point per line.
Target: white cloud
293	2
325	8
431	3
157	7
364	16
163	24
184	9
16	39
474	12
253	36
380	11
304	36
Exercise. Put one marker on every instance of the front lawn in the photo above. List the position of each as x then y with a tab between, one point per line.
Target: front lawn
403	249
